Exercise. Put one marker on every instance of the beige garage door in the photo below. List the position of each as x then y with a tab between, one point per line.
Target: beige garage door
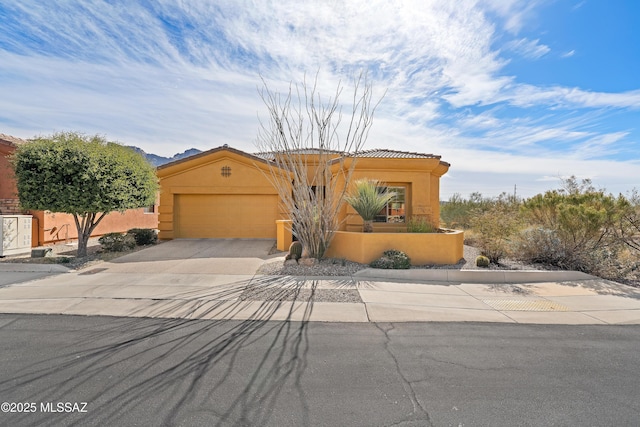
223	215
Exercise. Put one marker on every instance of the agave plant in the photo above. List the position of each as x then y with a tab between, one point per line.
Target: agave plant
368	201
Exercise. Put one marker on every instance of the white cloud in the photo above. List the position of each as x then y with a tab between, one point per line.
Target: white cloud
599	146
531	49
525	95
186	74
514	12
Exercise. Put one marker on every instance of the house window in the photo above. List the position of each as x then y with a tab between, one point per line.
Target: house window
395	210
149	209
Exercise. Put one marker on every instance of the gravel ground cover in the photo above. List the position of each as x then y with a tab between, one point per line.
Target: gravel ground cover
275	293
339	267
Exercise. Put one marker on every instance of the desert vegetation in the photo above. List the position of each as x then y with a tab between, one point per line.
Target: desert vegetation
576	227
306	136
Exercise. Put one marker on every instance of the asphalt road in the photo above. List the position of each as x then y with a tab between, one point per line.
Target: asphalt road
152	372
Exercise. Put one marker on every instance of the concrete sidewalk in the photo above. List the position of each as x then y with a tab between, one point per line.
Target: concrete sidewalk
171	289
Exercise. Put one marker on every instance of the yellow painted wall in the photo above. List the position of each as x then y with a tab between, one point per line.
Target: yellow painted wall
421	177
284	238
203	175
422	248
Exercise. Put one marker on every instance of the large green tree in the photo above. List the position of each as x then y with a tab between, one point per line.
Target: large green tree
85	176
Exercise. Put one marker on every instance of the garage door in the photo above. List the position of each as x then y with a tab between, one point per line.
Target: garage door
223	215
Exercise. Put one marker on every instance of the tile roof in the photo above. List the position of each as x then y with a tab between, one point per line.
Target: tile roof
393	154
268	155
12	140
374	153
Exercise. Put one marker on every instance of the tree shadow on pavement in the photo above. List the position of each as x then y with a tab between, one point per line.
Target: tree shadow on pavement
204	371
606	287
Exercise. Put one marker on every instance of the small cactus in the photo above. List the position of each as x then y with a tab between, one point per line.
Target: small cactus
482	261
295	251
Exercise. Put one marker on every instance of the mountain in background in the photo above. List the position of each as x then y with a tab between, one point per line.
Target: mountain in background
156	160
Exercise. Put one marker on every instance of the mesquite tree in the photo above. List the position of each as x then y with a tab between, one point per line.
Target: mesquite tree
308	146
84	176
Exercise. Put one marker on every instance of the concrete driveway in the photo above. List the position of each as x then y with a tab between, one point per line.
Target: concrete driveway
197	256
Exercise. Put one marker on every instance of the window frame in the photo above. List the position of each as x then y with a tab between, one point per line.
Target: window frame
387	212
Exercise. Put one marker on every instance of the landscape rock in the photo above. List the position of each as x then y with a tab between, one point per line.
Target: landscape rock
308	262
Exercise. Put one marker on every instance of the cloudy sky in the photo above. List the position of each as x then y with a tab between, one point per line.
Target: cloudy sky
511	93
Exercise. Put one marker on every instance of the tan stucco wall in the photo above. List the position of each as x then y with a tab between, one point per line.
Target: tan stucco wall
422	248
203	175
49	227
421	177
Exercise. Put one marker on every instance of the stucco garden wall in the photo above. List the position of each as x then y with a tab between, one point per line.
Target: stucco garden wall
422	248
51	227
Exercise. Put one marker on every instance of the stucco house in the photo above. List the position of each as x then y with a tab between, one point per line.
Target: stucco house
50	227
227	193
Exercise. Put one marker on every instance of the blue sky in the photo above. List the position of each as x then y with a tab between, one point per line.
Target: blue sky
511	93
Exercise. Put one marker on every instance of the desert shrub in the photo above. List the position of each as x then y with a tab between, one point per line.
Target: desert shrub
606	262
367	200
495	228
627	228
420	224
458	212
470	238
144	236
392	259
116	242
575	229
539	245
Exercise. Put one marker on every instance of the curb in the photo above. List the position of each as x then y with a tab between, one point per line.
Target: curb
32	268
474	276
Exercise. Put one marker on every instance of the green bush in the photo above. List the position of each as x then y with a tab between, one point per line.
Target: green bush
420	224
495	228
144	236
392	259
458	212
117	242
575	229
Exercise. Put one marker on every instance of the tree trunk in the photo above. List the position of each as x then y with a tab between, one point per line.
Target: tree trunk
85	224
82	245
367	227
